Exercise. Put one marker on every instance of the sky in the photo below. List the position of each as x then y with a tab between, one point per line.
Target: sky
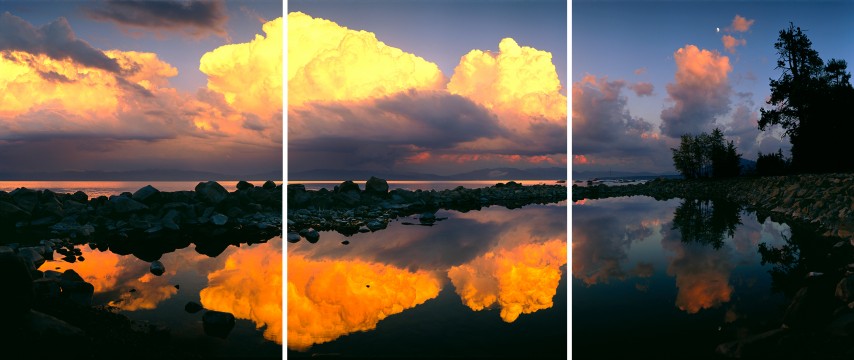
439	87
138	85
645	72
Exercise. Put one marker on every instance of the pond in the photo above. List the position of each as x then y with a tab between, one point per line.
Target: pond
676	278
487	284
243	280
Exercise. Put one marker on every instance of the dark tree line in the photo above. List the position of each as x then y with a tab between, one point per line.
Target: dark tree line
811	102
706	155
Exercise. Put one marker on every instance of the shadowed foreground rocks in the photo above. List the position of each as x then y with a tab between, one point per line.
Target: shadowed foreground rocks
51	313
348	209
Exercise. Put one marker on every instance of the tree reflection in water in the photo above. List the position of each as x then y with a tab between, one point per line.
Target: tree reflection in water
707	221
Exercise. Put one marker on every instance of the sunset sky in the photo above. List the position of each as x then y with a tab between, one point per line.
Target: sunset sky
125	85
437	87
645	72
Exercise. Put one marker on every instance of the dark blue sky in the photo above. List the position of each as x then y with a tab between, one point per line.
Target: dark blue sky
632	42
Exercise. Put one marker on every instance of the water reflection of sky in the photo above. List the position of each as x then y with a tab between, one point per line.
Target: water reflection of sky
634	275
510	261
245	281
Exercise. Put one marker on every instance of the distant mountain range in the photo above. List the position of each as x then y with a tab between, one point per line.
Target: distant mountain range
747	167
550	173
135	175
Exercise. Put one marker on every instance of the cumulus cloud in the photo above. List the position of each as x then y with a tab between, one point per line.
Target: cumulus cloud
519	280
642	88
63	108
331	298
250	287
740	24
604	131
227	68
730	43
56	40
196	18
701	91
354	101
517	79
328	62
640	71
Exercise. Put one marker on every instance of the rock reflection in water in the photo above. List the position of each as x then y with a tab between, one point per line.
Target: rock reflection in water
331	298
249	286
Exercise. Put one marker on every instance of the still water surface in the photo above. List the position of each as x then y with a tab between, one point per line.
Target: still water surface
489	284
245	281
670	279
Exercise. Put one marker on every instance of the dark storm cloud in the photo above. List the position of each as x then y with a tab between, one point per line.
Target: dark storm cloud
197	18
604	131
55	40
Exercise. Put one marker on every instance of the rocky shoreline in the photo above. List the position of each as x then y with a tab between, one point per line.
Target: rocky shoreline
48	306
819	320
348	209
824	201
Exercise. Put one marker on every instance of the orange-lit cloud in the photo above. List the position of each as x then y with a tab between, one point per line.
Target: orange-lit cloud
331	298
519	280
730	43
640	71
741	24
701	272
580	159
249	75
328	62
700	92
250	287
642	88
517	79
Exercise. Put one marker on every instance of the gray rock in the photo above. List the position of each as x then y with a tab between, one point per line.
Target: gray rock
75	289
171	219
243	185
348	186
46	288
376	225
16	285
427	218
269	185
5	250
26	199
157	268
219	219
310	234
126	205
80	197
293	237
217	323
376	186
31	254
12	212
146	194
211	192
58	332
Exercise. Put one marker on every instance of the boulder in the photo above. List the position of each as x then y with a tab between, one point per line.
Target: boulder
171	219
26	199
219	219
32	255
80	197
16	286
427	218
211	192
348	186
376	186
217	323
11	212
157	268
375	225
293	237
126	205
193	307
75	289
243	185
310	234
269	185
146	194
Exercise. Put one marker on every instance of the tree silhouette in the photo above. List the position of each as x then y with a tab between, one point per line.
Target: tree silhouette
707	221
809	101
706	155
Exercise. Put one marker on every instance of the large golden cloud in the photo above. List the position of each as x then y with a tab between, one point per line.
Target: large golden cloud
328	62
331	298
516	79
250	287
522	279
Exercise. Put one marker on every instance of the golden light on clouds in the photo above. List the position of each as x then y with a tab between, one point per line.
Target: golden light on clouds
250	287
328	62
249	75
517	78
331	298
520	280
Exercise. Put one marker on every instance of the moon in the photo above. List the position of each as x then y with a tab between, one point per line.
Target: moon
717	29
